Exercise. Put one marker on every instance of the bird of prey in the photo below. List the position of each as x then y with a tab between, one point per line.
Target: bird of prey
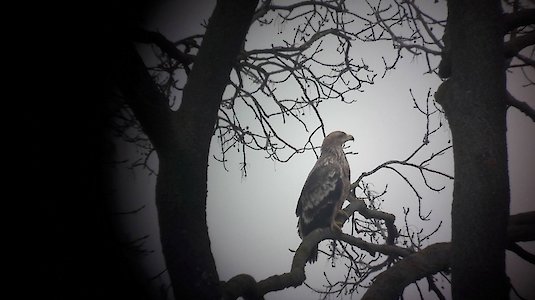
325	190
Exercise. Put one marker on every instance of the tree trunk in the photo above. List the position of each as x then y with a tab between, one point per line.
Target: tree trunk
182	141
473	100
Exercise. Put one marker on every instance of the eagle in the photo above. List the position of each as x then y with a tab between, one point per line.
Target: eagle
325	190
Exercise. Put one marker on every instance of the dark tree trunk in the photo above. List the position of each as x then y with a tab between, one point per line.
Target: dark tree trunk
182	141
473	100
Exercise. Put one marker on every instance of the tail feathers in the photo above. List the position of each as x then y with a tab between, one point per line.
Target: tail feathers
313	255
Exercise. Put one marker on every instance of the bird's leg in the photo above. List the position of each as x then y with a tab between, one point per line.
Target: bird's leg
336	226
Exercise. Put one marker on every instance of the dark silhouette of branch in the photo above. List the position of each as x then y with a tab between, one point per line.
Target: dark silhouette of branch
521	106
391	283
241	284
514	46
423	166
297	60
168	47
518	19
520	228
359	206
435	258
434	288
526	60
522	253
296	276
409	28
387	285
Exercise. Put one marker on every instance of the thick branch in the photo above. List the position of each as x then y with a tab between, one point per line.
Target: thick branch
521	106
521	227
522	253
307	3
526	60
298	49
360	206
514	46
391	283
149	105
168	47
296	276
517	19
241	284
435	258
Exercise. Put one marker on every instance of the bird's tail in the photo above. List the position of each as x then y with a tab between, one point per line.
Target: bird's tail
313	255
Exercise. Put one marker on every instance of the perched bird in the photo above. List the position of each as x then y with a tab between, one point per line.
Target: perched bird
325	190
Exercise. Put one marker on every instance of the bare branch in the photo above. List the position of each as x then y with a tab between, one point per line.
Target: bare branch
145	36
526	60
514	46
521	106
521	227
521	252
297	49
291	7
518	19
391	283
433	287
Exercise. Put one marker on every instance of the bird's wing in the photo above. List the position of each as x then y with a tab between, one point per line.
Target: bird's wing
322	188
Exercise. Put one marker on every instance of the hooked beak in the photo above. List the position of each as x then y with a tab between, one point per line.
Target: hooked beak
349	137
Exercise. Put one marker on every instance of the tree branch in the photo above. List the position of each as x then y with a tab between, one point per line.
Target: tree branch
522	253
519	18
391	283
521	227
243	284
296	276
526	60
360	206
149	105
168	47
514	46
521	106
435	258
291	7
296	50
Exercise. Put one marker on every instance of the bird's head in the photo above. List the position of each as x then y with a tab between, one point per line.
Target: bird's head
336	138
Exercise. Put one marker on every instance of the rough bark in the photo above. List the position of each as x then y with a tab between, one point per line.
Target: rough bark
182	139
473	100
390	284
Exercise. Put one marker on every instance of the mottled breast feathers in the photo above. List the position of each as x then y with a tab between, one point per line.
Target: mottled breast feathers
322	190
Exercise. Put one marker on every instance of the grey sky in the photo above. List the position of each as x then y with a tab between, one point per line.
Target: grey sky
251	219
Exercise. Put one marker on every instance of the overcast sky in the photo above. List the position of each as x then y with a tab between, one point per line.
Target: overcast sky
252	222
